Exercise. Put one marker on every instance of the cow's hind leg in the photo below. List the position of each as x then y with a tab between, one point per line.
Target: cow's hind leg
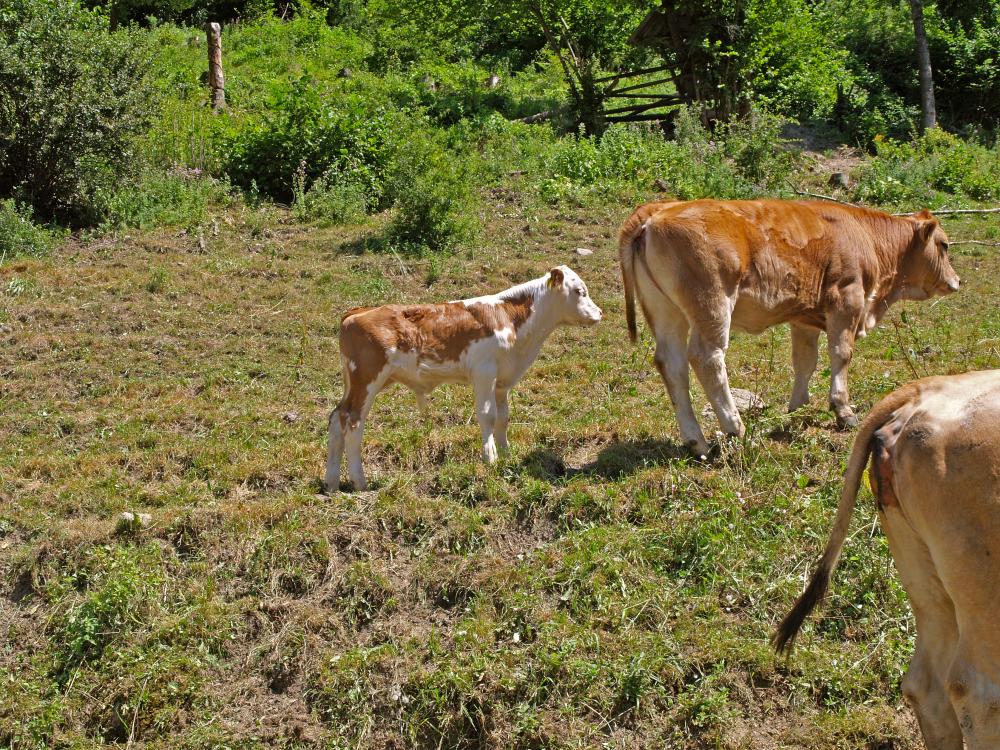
707	353
974	692
334	450
671	330
335	437
924	685
347	426
805	352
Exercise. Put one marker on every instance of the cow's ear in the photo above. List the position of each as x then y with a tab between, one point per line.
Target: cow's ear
556	277
924	213
925	227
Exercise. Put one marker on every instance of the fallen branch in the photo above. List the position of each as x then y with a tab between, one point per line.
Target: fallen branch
974	242
823	197
956	211
537	117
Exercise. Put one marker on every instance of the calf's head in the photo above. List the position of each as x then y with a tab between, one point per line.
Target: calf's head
570	299
927	269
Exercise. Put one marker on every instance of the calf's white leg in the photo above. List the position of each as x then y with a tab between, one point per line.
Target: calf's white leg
502	420
334	452
805	352
484	391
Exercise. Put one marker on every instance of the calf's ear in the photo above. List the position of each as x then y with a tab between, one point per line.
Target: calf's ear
556	277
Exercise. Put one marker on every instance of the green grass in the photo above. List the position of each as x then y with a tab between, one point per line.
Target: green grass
598	588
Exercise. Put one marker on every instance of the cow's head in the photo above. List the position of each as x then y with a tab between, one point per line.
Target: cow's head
927	269
574	305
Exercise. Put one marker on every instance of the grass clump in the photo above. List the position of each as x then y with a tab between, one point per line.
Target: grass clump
20	235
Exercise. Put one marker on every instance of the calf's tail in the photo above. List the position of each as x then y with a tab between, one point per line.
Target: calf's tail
784	637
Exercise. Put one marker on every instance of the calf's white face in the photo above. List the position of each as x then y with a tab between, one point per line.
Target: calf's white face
571	297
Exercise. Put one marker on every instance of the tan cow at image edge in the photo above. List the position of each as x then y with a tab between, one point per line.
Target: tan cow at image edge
702	268
488	342
934	446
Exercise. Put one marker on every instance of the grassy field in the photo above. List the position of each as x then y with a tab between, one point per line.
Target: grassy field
599	588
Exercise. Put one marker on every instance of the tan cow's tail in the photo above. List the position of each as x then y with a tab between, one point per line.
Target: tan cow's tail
630	237
784	637
628	246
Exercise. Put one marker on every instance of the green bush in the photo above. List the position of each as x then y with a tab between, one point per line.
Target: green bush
19	235
429	186
156	198
309	135
336	197
924	171
740	159
73	99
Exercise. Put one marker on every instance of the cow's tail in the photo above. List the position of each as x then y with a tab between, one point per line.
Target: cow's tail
628	246
784	637
630	239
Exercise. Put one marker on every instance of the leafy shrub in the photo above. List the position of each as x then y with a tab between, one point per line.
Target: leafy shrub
73	98
19	235
741	159
336	197
158	198
430	189
937	163
308	135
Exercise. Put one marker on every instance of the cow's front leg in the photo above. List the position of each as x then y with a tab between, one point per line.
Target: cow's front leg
805	352
502	420
840	341
484	389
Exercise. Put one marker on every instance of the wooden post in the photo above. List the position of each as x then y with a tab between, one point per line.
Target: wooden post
216	80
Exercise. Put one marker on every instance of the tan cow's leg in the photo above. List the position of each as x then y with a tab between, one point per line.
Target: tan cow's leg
671	330
707	353
502	420
805	352
973	687
840	341
937	634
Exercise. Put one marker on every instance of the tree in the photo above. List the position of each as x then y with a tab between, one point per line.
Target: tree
927	107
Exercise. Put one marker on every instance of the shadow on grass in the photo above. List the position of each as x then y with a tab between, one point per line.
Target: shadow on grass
615	460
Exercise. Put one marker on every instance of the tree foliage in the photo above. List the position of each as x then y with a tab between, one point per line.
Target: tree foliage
73	99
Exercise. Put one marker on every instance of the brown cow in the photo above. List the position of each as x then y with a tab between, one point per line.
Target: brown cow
935	471
702	267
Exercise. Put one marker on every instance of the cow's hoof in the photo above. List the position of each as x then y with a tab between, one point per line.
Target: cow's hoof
699	448
847	422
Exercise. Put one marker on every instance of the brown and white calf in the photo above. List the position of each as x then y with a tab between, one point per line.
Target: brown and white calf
933	452
487	341
701	268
